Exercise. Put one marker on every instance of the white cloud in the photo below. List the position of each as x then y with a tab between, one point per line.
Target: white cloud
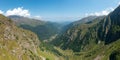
119	3
104	12
18	11
1	12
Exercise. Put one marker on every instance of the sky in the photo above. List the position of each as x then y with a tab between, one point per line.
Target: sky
57	10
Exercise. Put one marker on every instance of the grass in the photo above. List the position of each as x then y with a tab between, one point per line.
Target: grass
101	50
46	55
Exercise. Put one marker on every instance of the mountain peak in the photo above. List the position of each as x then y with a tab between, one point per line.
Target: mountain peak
116	11
115	16
111	26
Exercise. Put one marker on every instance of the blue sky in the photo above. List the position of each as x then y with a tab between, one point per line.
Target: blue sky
59	10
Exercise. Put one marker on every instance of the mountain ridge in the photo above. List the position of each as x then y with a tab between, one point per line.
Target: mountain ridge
41	28
98	40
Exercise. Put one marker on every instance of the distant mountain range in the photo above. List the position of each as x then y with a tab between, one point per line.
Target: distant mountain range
43	29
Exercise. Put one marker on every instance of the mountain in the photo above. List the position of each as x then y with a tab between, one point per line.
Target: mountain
77	33
17	43
91	38
110	29
95	40
79	22
44	30
84	20
20	20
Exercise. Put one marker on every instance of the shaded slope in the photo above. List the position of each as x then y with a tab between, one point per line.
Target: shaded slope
110	29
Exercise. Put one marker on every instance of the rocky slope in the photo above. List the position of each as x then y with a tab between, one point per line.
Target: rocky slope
110	27
17	43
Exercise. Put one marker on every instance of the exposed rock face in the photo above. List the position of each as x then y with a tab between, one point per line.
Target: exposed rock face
110	27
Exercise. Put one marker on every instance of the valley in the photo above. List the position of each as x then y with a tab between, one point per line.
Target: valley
89	38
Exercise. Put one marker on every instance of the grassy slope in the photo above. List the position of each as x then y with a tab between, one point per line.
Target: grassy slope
17	43
100	51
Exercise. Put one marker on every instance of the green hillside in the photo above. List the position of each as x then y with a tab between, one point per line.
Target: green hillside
94	40
78	36
19	44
